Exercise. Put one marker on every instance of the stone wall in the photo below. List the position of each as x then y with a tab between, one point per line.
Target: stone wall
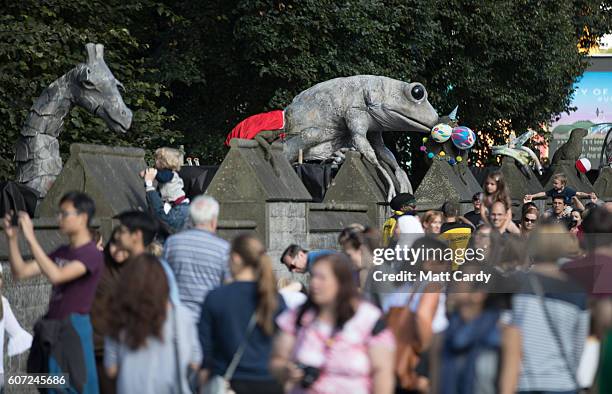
286	224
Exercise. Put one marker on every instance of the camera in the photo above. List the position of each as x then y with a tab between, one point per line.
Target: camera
311	374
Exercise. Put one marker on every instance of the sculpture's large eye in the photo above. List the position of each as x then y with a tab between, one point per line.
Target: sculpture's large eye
418	92
87	84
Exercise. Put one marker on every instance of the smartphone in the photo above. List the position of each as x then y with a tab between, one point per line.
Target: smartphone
14	219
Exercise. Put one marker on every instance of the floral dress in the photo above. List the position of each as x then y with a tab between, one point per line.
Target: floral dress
343	358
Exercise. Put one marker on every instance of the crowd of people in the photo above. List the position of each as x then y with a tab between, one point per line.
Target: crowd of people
190	312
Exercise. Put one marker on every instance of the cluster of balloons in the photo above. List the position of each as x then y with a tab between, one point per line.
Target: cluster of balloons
462	137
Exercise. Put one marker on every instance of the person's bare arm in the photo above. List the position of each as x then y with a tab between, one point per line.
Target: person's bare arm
510	226
53	272
281	366
510	359
584	195
529	197
577	203
484	214
19	268
382	359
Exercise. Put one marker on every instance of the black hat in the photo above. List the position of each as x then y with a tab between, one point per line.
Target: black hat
401	200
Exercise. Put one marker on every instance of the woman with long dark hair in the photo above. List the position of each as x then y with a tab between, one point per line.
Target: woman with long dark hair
237	321
114	259
335	342
150	344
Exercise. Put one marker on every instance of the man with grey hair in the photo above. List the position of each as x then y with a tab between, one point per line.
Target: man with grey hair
197	256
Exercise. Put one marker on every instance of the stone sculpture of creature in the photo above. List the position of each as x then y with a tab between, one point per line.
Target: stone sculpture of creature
522	154
572	149
353	112
90	85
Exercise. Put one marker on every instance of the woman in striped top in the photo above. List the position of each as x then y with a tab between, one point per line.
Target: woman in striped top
551	312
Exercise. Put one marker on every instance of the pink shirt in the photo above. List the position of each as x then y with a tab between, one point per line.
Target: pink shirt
345	364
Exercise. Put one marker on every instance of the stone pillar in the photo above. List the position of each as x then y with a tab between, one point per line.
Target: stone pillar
517	182
357	182
266	197
108	174
286	224
603	184
444	182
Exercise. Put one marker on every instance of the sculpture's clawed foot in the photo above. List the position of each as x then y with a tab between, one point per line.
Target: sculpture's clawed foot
391	192
402	178
338	157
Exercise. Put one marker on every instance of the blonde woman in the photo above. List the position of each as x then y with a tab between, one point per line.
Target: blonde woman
237	322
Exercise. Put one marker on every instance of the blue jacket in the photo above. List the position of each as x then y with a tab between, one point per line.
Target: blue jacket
175	218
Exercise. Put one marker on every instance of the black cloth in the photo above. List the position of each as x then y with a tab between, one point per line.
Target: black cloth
474	218
196	179
449	226
58	338
256	387
316	178
17	197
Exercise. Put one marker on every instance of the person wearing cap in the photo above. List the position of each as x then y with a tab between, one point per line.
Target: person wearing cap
474	215
402	204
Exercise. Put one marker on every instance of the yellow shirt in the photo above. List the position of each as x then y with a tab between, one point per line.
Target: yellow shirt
389	228
458	236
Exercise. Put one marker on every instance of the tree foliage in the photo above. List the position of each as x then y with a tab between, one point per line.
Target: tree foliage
40	41
510	61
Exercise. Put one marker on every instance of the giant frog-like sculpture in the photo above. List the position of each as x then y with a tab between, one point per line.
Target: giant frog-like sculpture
353	112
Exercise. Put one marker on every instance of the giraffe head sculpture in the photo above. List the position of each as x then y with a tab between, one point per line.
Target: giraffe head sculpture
97	90
90	85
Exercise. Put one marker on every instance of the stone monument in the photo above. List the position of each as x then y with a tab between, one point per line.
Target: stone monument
252	197
90	85
108	174
564	162
352	112
444	182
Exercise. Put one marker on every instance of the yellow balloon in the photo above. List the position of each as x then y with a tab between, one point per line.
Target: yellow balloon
459	158
442	153
424	139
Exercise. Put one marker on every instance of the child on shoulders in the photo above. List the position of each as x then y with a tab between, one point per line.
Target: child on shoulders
560	188
170	204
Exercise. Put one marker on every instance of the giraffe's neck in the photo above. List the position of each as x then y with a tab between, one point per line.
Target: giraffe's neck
49	110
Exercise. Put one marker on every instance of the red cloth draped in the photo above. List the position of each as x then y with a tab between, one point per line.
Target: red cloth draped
248	128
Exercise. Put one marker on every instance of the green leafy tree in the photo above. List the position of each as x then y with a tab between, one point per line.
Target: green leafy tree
509	61
40	41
